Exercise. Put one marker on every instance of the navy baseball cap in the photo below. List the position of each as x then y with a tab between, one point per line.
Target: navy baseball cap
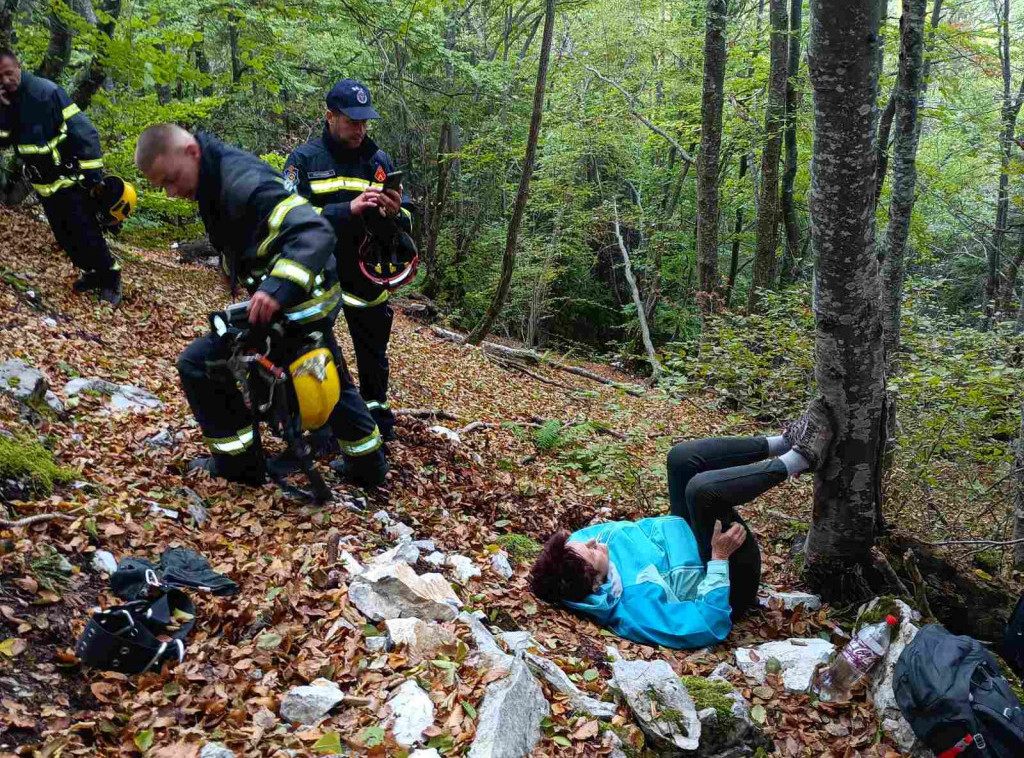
351	98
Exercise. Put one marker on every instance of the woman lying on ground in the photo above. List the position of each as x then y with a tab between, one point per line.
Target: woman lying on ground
680	580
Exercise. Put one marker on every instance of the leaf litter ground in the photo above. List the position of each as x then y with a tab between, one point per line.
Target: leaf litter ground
292	621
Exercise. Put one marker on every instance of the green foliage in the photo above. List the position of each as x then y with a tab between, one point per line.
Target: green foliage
549	435
24	459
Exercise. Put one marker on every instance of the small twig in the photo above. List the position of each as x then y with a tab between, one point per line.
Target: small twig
29	520
333	541
353	700
474	425
426	413
920	593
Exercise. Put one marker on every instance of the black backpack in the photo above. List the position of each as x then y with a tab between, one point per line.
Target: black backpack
958	703
1013	639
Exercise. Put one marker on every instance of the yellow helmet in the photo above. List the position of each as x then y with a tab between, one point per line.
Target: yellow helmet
317	387
116	199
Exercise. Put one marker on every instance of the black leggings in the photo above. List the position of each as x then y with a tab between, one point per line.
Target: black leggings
706	479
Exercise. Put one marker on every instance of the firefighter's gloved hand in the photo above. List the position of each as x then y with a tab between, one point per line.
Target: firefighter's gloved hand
262	308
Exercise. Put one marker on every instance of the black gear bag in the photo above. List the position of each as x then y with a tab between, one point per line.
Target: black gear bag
956	699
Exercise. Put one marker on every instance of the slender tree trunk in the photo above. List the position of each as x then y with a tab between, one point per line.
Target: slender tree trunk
1010	283
237	69
734	258
882	149
712	99
673	202
58	52
929	46
789	216
95	74
432	285
512	242
775	117
849	369
904	173
1018	500
8	10
1010	109
656	370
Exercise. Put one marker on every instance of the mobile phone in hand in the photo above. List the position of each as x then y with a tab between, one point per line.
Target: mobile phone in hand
393	181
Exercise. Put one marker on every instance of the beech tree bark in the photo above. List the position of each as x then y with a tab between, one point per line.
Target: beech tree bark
904	171
92	78
1008	115
849	365
712	99
58	51
789	216
1018	500
508	260
775	115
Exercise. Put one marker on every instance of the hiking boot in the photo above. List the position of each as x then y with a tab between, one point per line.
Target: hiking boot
88	281
812	434
252	477
111	290
361	475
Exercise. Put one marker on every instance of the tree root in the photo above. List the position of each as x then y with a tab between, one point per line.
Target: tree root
426	413
920	592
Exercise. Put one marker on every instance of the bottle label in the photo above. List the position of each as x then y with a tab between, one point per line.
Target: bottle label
859	656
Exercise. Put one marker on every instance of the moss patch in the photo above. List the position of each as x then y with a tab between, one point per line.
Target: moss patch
519	547
886	606
710	694
25	460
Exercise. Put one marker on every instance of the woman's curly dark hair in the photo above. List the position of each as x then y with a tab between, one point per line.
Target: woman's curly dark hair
560	573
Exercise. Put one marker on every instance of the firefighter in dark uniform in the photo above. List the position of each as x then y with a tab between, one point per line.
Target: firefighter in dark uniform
342	172
60	149
274	243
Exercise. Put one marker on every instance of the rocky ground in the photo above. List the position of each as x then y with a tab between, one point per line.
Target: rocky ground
387	623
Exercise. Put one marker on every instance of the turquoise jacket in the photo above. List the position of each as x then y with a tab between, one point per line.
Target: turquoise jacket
658	592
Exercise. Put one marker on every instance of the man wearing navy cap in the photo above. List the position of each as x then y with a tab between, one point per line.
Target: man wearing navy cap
342	172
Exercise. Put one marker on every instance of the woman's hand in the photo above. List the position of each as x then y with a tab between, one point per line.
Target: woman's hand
725	544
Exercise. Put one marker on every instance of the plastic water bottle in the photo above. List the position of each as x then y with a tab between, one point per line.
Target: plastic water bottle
855	661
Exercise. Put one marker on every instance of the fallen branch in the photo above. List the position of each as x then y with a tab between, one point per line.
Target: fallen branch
29	520
474	425
885	568
987	543
532	356
514	366
359	701
920	592
426	413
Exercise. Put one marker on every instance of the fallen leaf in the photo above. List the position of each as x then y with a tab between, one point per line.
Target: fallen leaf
758	714
13	646
588	731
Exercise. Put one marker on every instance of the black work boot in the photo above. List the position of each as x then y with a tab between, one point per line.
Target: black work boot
252	475
369	471
811	435
88	281
111	290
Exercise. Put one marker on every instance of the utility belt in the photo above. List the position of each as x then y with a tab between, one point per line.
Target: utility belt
127	638
47	178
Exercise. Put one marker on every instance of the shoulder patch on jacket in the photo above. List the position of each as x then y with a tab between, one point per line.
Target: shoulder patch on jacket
321	174
380	174
291	178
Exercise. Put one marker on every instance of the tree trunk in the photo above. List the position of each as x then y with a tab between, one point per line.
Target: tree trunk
904	172
775	116
929	45
237	69
508	260
734	259
789	217
1010	109
433	280
882	149
656	370
712	99
8	10
94	75
1010	283
1018	499
849	368
58	52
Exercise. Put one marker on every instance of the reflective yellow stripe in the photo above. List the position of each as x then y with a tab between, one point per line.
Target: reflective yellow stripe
318	210
94	163
316	308
357	302
366	445
70	111
276	218
4	135
407	213
321	186
233	445
293	272
377	405
49	147
45	190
